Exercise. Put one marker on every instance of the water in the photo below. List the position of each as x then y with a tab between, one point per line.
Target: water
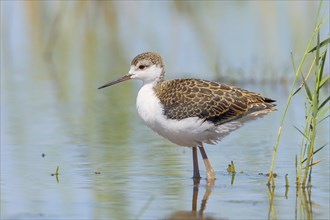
110	164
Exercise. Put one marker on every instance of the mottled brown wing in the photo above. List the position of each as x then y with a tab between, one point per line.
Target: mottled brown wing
212	101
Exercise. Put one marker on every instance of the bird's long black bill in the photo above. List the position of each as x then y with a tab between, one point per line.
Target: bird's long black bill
121	79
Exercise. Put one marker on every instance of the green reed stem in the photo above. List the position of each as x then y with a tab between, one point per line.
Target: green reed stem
291	93
312	115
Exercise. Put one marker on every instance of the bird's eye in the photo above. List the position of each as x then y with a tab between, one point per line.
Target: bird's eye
142	67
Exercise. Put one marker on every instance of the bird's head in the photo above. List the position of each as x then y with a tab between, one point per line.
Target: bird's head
147	67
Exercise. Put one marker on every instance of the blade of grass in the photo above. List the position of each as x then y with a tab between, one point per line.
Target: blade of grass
320	114
305	79
312	164
301	132
315	152
322	44
324	80
324	55
308	91
320	121
323	103
317	52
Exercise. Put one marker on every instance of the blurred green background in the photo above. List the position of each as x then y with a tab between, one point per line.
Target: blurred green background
236	40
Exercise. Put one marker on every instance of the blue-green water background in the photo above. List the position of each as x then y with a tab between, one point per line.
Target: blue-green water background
54	54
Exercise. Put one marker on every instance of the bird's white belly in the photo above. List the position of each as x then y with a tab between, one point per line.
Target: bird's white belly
190	132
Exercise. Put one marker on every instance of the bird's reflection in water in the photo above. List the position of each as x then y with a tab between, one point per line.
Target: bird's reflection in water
196	213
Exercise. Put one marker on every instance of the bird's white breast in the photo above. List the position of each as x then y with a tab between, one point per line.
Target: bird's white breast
190	132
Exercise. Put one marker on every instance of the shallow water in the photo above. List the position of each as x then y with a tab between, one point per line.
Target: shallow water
112	166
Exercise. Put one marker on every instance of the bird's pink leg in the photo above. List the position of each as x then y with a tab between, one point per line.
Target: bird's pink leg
209	170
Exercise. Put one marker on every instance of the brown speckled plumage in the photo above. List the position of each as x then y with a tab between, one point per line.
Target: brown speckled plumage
212	101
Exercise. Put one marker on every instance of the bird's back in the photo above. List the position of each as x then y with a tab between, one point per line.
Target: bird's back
212	101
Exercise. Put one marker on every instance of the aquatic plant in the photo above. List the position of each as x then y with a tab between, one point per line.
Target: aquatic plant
316	111
231	168
56	174
315	108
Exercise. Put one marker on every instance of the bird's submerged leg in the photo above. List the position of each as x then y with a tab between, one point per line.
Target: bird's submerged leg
209	170
195	163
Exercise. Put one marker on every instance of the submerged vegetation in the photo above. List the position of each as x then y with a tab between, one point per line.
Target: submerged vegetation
231	168
56	174
316	108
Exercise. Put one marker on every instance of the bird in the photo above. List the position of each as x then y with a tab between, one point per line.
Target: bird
191	112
